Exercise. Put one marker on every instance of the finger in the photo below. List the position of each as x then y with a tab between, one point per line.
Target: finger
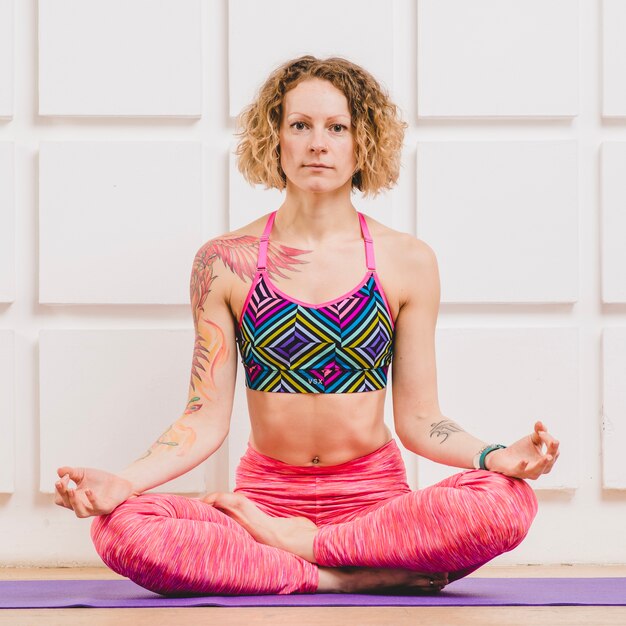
59	499
547	438
536	469
548	469
92	498
535	436
61	487
77	503
61	471
77	474
95	508
550	443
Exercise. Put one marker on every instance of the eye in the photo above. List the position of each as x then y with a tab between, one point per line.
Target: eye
338	127
298	125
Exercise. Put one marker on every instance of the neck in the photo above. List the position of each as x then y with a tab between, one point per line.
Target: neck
310	218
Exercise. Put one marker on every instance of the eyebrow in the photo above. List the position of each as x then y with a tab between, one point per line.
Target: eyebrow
330	117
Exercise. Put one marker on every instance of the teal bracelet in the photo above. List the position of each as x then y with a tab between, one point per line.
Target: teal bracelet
485	451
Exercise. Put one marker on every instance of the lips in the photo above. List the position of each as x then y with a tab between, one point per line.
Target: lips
317	165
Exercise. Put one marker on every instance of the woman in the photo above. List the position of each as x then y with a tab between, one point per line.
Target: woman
321	502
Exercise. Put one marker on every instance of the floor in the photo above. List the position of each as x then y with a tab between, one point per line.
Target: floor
325	616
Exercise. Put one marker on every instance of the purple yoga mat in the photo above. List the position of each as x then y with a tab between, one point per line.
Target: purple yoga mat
23	594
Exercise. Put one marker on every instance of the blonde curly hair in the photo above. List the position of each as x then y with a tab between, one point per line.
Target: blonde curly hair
376	124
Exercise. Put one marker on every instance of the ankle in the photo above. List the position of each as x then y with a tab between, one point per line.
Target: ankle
331	580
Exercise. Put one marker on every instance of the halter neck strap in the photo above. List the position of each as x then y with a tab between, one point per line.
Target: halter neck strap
369	244
264	242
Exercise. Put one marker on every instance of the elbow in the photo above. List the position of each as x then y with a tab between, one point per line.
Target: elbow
414	430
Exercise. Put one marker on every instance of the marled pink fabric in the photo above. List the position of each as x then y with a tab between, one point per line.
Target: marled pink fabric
366	512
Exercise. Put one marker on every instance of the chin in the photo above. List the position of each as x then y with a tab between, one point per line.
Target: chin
319	186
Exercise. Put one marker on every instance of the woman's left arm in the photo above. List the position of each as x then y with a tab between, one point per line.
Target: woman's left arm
419	423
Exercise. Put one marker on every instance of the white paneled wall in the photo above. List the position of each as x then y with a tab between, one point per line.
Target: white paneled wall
117	124
497	58
613	58
503	218
139	58
7	411
613	222
7	222
6	58
119	222
614	407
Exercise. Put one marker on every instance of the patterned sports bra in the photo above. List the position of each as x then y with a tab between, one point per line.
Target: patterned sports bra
341	346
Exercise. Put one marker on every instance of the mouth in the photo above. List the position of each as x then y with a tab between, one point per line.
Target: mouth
318	166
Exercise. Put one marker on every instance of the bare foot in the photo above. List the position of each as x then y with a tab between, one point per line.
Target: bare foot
379	580
293	534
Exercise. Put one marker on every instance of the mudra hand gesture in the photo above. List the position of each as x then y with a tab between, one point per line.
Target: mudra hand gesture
97	492
526	458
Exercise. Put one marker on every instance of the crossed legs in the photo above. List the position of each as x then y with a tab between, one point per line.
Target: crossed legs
171	544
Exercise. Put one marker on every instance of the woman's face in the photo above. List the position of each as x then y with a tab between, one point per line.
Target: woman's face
316	140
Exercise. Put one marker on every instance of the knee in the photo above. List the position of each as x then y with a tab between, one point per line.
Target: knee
514	506
122	532
505	506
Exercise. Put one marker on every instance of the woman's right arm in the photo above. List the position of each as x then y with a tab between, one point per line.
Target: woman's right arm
205	421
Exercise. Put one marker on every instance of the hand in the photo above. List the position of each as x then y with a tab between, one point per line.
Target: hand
525	458
97	492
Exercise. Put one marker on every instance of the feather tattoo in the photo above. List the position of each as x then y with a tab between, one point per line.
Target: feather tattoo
240	255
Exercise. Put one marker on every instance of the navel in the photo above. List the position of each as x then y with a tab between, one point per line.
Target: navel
315	460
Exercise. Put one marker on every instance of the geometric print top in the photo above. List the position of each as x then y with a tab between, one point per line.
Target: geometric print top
341	346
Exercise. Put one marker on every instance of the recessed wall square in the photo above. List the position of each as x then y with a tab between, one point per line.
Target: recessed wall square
502	217
119	58
497	58
120	222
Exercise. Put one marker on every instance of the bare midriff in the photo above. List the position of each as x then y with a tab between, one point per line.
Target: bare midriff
317	429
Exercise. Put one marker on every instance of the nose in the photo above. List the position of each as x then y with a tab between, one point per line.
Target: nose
317	142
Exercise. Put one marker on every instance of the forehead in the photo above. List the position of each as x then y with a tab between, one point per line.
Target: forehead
318	96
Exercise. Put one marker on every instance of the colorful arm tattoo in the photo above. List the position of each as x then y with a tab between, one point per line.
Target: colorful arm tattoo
177	435
444	429
239	254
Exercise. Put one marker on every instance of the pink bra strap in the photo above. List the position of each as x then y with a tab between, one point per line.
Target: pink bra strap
261	263
263	243
369	244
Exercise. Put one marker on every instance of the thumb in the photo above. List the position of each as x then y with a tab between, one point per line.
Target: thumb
75	473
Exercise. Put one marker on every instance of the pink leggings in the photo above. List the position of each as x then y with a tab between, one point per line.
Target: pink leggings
366	513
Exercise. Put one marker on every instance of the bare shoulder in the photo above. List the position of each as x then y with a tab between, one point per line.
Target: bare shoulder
405	260
235	251
402	243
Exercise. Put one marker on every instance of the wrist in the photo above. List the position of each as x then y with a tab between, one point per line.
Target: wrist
480	458
134	482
